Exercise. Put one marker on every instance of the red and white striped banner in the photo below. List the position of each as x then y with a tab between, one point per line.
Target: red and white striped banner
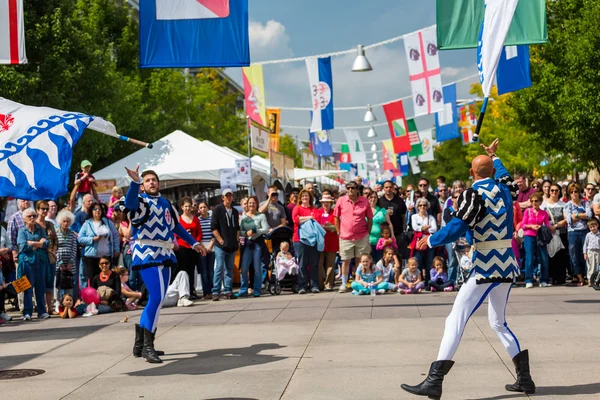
12	32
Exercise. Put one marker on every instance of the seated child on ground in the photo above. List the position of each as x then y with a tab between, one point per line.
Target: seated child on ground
465	258
439	276
410	280
367	277
130	296
389	265
285	262
386	239
67	309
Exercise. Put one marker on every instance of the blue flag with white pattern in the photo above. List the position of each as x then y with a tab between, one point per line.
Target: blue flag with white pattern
446	122
513	69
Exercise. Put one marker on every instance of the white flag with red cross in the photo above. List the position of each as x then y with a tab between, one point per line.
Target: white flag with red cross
12	32
424	68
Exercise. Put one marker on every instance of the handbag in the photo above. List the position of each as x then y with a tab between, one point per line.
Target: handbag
556	243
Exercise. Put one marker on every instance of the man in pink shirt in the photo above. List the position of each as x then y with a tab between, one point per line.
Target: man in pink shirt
353	221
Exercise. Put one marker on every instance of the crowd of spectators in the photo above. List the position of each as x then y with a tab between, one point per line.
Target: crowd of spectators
364	239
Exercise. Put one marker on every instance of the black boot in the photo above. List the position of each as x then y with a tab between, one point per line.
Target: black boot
138	345
148	351
432	385
524	382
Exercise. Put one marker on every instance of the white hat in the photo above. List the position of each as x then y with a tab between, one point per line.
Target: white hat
226	192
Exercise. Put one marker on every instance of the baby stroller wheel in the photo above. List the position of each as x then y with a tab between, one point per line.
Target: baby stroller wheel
272	290
277	289
295	288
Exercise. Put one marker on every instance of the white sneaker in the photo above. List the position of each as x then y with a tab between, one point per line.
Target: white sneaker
342	289
381	291
543	284
26	317
5	316
184	302
44	316
528	285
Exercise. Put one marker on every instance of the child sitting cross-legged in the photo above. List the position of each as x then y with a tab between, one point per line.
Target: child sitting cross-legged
367	277
389	265
439	276
410	280
130	296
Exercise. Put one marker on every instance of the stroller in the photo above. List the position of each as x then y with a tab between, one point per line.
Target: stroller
287	281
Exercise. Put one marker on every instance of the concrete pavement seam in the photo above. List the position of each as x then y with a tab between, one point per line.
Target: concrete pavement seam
306	348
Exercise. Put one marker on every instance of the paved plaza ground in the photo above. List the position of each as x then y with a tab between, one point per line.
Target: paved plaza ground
325	346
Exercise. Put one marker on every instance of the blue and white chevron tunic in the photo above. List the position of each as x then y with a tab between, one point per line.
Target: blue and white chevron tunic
153	218
485	213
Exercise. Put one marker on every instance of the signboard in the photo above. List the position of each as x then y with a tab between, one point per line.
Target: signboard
243	171
277	165
228	178
104	189
21	284
289	167
308	160
273	123
260	138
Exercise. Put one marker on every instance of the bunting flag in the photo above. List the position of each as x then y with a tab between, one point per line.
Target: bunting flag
194	33
428	143
513	69
467	123
425	74
459	22
404	164
37	148
321	143
345	156
446	122
394	113
254	94
320	79
12	32
416	147
357	151
414	165
390	161
273	123
497	18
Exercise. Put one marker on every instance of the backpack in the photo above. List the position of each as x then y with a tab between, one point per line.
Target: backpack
544	236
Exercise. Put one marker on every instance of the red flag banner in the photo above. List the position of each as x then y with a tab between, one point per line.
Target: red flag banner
394	112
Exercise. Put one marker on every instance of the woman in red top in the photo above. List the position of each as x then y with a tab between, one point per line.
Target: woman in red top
307	255
187	258
332	243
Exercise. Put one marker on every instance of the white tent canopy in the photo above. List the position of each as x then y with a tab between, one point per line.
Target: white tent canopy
177	156
300	173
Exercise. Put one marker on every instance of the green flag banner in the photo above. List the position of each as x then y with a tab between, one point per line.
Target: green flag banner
459	22
416	147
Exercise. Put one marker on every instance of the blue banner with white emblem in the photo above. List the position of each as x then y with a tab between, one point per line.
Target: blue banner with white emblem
194	33
513	69
446	122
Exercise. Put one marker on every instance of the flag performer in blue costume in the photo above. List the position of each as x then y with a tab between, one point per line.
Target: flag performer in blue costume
485	213
153	221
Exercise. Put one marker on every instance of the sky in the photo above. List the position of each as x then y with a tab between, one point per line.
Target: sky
290	28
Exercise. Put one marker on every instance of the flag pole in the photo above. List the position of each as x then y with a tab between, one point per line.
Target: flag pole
480	119
107	128
249	153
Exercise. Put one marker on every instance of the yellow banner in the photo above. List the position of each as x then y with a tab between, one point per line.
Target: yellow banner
254	91
273	123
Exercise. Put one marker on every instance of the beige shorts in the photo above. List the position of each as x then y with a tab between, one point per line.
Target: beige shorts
350	249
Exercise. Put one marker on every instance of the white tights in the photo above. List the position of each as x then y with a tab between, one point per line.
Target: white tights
469	298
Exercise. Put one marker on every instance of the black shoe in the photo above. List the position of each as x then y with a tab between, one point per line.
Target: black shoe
524	383
148	351
138	345
432	385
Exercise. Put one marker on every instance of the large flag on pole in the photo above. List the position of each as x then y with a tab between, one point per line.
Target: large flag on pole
446	122
194	33
497	18
357	151
513	69
254	93
459	22
416	147
424	68
394	113
37	147
320	79
12	32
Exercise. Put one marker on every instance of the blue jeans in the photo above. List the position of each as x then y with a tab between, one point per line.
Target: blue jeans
252	256
531	250
206	269
576	239
308	261
223	270
37	277
425	260
452	263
